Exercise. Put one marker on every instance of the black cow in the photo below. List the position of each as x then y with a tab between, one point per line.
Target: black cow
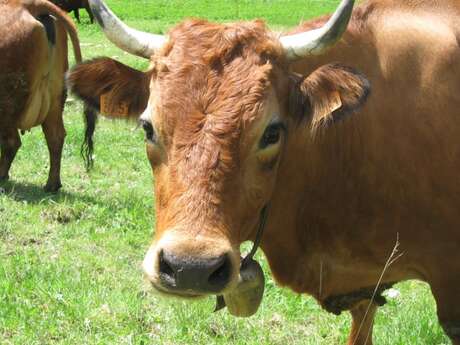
74	5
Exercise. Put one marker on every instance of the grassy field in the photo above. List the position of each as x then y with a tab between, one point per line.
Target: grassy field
70	263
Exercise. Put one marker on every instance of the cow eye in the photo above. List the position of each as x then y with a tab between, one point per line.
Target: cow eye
271	135
150	135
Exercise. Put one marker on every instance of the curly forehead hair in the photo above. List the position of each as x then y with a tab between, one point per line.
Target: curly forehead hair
216	72
200	41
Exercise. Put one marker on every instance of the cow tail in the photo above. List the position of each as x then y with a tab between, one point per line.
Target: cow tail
39	7
87	147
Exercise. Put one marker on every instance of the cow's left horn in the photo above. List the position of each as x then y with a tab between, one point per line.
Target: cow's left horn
128	39
314	42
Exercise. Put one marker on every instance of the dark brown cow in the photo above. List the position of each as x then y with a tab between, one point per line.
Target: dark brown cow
74	6
238	118
33	61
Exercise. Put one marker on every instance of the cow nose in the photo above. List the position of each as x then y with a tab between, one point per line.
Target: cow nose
200	275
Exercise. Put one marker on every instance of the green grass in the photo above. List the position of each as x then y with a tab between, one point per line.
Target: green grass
70	263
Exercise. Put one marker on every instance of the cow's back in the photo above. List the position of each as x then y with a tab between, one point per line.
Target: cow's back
33	59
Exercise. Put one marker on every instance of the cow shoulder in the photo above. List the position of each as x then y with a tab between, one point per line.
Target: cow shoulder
328	94
112	88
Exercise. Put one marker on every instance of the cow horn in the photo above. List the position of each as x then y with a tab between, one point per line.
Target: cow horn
316	41
135	42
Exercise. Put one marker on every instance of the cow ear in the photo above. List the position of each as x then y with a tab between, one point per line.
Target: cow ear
328	94
114	89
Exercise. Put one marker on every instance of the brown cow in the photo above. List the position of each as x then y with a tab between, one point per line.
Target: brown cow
238	118
33	61
74	6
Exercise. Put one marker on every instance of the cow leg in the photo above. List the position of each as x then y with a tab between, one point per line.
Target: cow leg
76	13
88	9
447	296
362	323
54	131
10	143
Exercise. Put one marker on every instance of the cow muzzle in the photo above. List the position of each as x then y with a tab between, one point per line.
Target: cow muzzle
239	286
183	266
209	267
196	275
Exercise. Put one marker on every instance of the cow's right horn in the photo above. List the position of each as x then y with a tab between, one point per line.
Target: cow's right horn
135	42
315	42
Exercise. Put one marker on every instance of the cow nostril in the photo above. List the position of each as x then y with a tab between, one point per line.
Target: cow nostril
221	275
166	271
200	275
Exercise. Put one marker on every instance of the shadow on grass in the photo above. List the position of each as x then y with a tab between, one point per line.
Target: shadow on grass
34	194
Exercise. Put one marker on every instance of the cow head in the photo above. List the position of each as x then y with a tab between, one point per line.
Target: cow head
218	105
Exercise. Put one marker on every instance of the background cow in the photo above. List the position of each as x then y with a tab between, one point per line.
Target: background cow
75	5
239	120
33	60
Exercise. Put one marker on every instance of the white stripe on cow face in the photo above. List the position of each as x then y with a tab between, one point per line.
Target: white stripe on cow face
147	114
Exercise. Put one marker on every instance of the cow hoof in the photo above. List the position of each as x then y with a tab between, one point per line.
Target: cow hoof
53	187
